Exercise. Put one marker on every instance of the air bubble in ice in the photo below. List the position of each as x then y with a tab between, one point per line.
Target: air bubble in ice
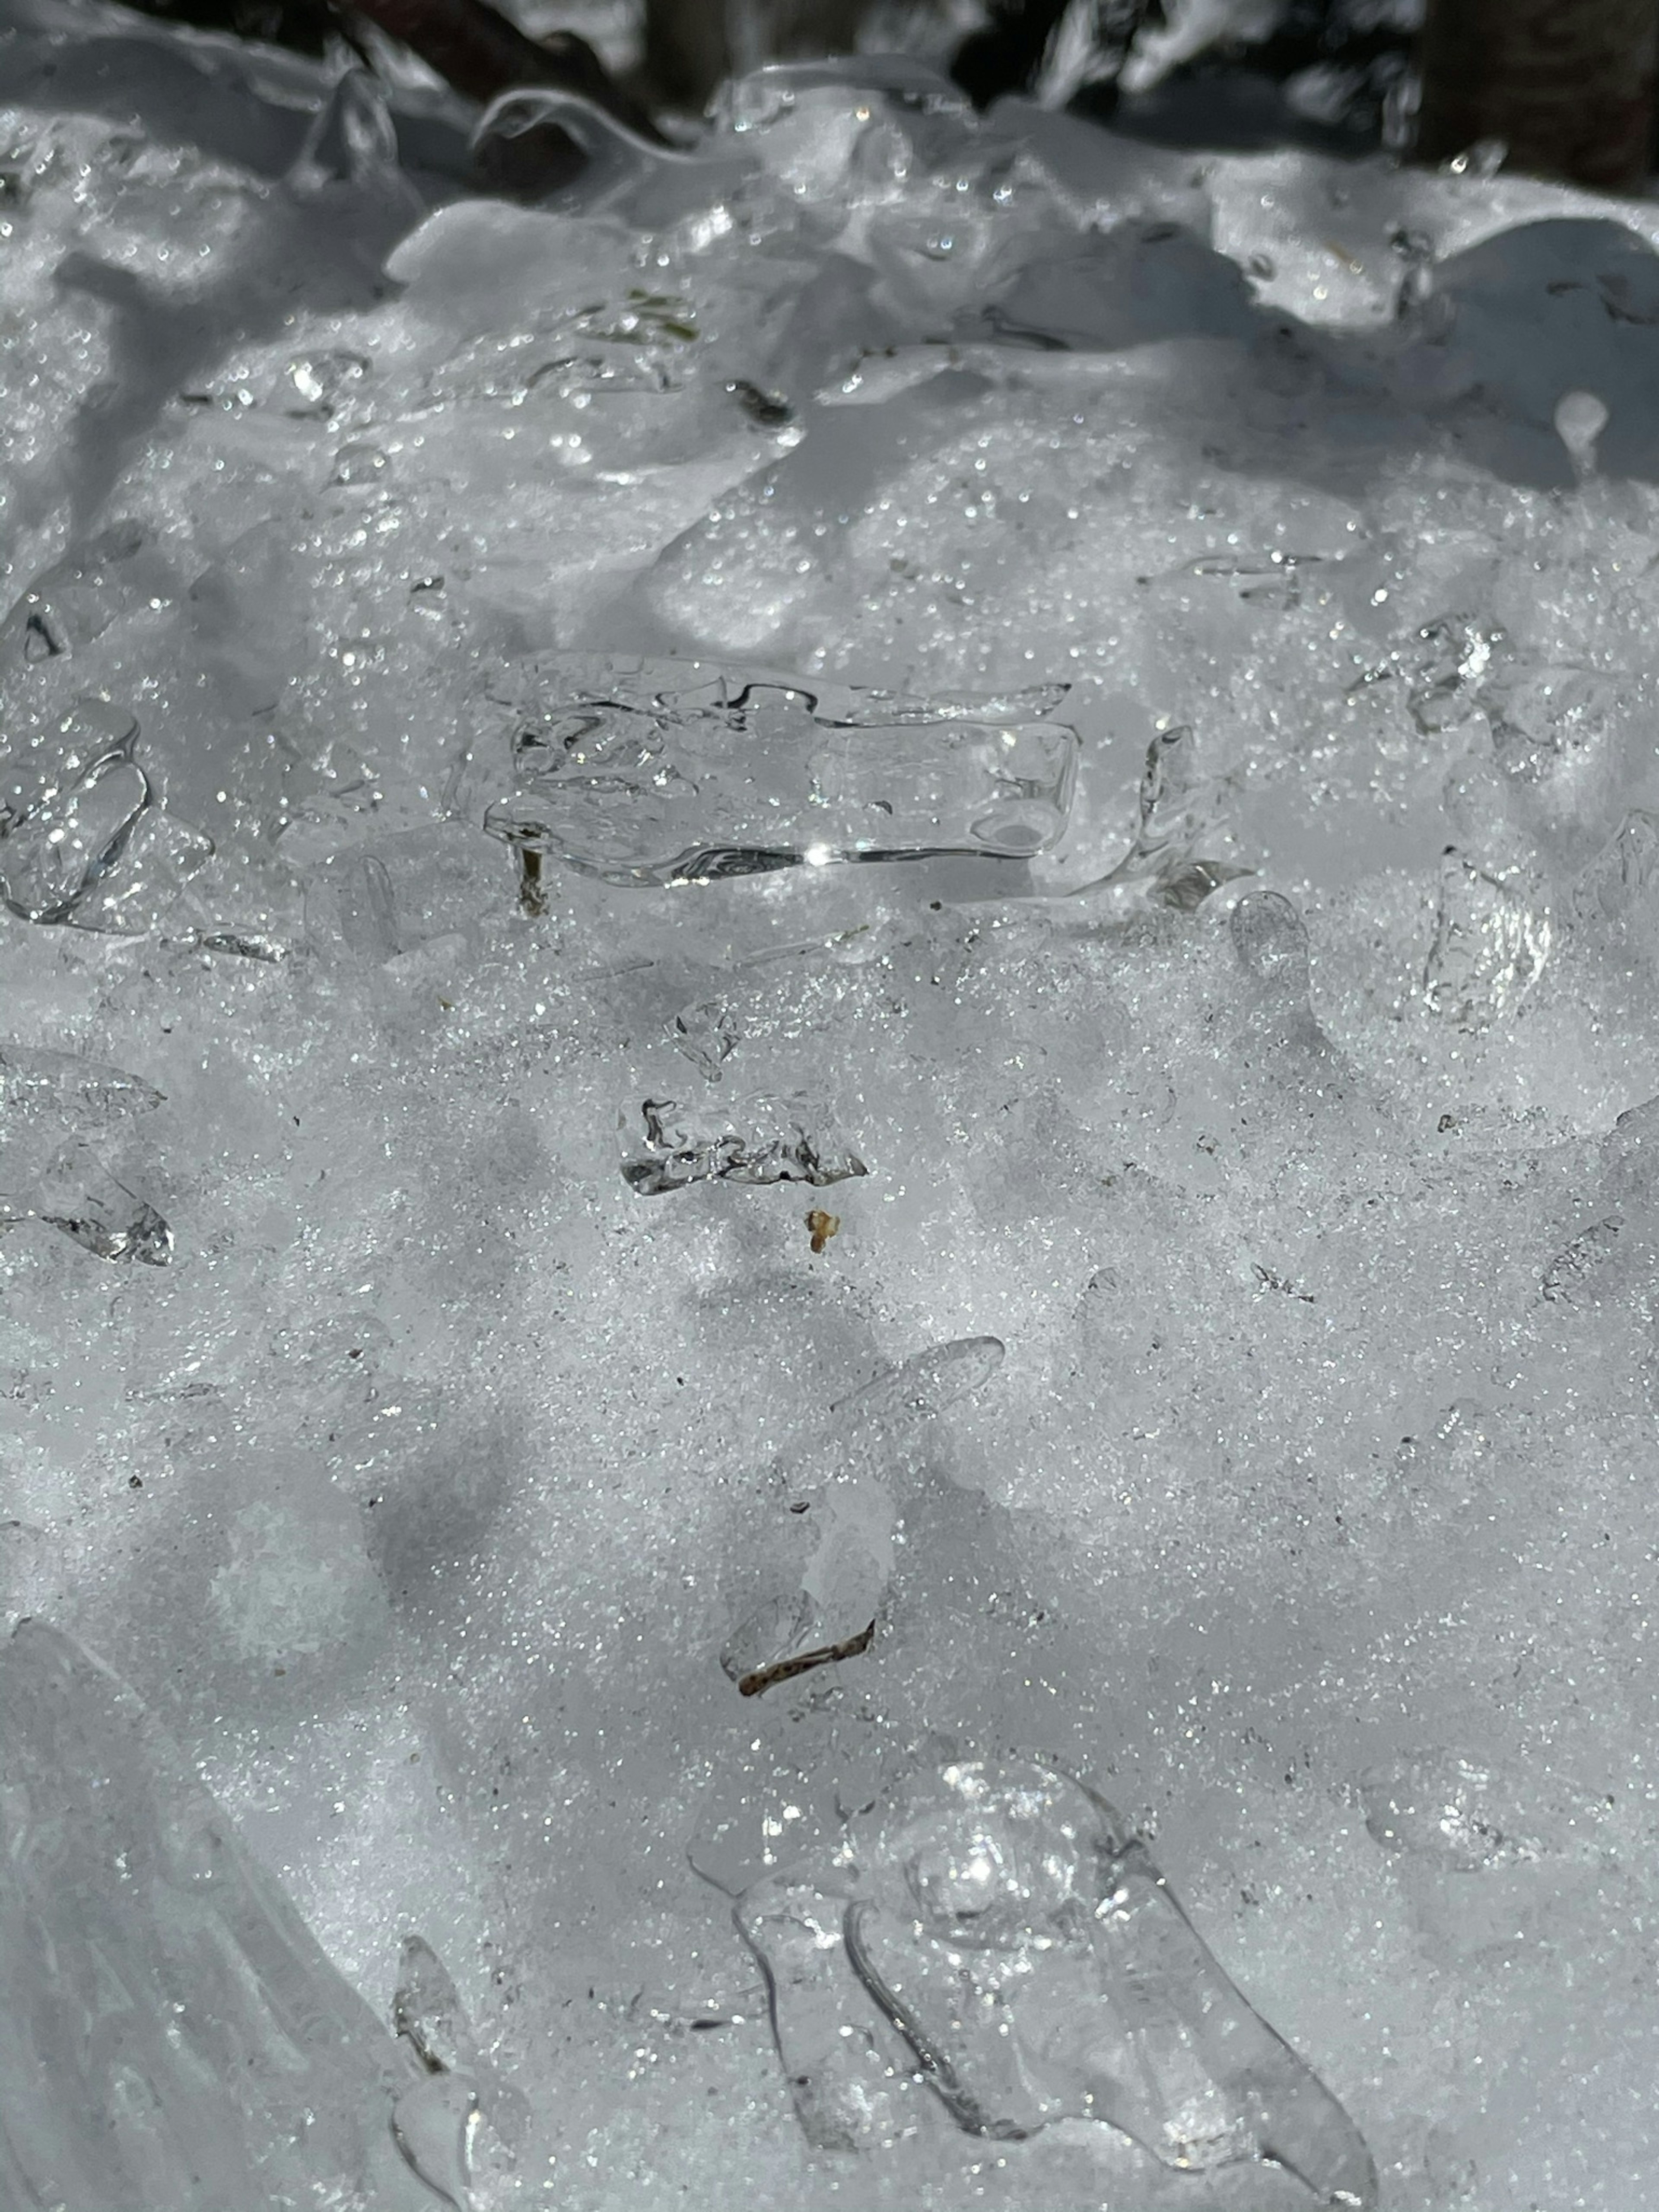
992	1931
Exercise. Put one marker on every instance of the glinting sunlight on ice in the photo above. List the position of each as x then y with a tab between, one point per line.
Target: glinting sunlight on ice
612	642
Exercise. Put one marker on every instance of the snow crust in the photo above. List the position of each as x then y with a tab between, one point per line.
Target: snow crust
1229	1377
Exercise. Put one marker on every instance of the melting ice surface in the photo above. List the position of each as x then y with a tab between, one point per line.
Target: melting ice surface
1030	1965
457	655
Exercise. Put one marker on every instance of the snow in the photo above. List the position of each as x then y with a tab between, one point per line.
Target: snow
1194	899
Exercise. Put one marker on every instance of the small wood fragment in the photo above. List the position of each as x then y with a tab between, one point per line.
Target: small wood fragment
784	1670
822	1226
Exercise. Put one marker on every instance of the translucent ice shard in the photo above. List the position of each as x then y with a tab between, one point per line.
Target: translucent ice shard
427	2013
66	820
1467	1815
1178	807
82	836
1447	668
1492	939
460	2096
77	600
173	2035
851	1480
1613	894
993	1932
757	1140
64	1087
80	1196
925	1382
669	776
708	1035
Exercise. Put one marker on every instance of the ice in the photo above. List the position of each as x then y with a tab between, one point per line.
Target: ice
666	777
708	1035
1228	1369
1492	939
846	1491
1031	1966
1468	1817
750	1141
160	1979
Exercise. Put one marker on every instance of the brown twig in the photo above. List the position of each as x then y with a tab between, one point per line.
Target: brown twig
784	1670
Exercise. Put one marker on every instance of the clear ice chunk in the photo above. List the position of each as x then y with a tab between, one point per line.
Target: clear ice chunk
1630	1157
1271	941
1178	806
67	820
433	2125
427	2013
63	1086
757	1140
173	2035
55	1107
1467	1815
83	836
993	1932
460	2097
708	1035
1613	892
849	1480
665	775
1569	1275
352	141
1447	670
94	1209
351	906
1547	719
75	601
1492	939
